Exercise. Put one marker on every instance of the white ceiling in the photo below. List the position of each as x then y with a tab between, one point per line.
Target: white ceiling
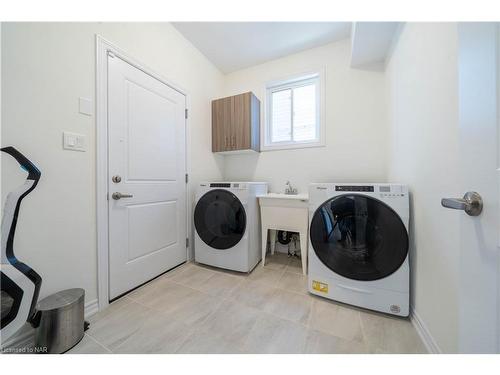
236	45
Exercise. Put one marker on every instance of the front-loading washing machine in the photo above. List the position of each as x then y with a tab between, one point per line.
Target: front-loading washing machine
358	249
227	224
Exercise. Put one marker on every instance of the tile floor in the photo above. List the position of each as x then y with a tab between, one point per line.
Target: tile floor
198	309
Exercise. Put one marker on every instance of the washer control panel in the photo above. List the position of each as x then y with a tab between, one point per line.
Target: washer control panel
369	188
388	191
384	191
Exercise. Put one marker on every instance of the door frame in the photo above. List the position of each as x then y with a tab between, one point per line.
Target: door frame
480	298
104	46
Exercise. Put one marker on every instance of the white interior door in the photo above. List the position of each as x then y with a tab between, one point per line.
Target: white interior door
147	165
479	136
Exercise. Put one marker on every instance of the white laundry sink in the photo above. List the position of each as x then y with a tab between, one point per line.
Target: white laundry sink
283	200
284	212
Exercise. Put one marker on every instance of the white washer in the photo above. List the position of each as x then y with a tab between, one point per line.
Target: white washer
358	249
227	224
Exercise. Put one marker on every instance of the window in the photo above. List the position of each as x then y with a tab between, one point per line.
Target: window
293	113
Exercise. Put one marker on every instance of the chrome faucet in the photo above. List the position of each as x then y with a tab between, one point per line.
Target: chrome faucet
289	190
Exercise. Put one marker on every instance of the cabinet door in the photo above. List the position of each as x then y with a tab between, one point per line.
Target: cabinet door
254	123
222	118
240	132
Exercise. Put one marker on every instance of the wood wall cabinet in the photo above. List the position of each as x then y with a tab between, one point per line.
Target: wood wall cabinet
236	123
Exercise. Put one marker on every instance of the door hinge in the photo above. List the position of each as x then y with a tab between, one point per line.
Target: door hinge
187	178
186	113
187	242
111	54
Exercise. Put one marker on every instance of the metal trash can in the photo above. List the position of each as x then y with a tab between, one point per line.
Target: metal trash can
61	321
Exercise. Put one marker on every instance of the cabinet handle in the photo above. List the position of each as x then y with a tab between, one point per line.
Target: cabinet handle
225	141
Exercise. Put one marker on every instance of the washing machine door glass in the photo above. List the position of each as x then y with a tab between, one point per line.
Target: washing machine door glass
359	237
220	219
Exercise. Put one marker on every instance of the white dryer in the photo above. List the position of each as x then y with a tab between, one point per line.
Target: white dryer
358	249
227	224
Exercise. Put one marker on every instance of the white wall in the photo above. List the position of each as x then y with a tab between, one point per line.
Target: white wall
356	144
45	68
422	98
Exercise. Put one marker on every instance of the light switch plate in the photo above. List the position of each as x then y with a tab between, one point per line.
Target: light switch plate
74	142
85	106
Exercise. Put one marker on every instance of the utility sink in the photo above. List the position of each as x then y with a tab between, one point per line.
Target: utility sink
289	212
300	197
283	200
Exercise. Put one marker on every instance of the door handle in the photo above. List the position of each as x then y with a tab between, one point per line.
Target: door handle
116	196
471	203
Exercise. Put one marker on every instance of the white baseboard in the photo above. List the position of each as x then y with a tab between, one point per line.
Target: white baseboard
424	333
91	308
25	335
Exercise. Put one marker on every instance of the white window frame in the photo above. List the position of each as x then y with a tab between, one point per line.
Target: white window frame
294	81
